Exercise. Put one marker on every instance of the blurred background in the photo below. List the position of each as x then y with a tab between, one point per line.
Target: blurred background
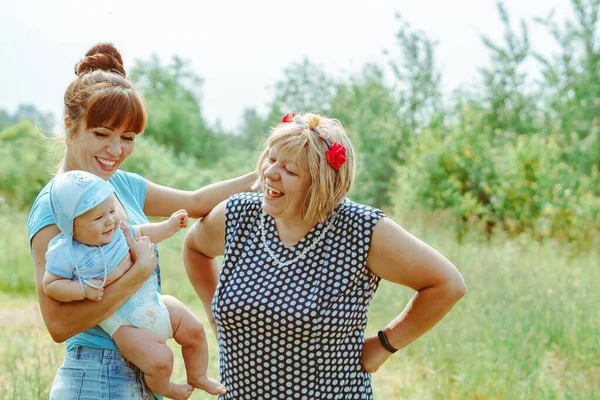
477	128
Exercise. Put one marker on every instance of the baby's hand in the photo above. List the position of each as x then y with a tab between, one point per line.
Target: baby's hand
178	220
93	293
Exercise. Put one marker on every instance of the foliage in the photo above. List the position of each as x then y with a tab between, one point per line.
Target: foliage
523	186
43	121
369	113
255	129
173	95
504	154
417	78
503	162
22	181
161	165
506	103
572	84
305	87
26	160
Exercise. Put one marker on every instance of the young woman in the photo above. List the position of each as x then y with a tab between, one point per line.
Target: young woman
104	113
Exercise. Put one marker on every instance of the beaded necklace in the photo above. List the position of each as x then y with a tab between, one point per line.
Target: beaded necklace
299	255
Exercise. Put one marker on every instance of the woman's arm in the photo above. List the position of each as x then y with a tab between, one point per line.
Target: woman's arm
64	320
162	201
399	257
205	241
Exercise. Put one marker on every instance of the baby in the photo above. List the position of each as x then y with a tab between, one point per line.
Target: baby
91	252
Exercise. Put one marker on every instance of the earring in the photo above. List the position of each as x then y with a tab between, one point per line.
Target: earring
68	141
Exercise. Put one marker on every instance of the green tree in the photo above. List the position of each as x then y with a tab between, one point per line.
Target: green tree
173	94
572	85
43	121
254	130
369	112
417	78
25	162
507	106
305	87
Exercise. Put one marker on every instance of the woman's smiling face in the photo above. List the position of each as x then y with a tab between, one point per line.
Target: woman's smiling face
286	185
100	150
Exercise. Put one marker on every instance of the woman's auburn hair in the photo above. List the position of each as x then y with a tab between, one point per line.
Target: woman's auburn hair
102	96
301	144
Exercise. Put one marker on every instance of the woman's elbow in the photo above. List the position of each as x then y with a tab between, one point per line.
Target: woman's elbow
57	332
456	287
190	249
56	327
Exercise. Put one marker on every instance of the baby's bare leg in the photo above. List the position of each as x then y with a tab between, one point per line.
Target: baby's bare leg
150	353
189	333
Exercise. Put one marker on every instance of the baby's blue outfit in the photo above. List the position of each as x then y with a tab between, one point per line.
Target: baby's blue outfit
144	309
130	189
93	365
90	259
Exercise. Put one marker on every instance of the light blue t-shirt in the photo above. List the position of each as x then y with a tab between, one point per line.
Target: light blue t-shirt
130	189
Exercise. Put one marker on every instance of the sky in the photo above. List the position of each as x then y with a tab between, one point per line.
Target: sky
241	48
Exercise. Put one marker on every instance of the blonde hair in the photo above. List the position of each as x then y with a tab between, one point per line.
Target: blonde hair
299	141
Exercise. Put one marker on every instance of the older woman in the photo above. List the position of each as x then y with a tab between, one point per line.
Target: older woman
104	113
301	264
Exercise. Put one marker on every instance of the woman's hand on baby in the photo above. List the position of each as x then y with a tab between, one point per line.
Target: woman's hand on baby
142	252
92	293
373	354
178	220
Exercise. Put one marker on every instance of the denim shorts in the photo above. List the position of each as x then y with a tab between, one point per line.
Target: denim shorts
89	373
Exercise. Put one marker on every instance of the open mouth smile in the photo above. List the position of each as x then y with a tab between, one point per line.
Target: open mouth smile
105	164
273	193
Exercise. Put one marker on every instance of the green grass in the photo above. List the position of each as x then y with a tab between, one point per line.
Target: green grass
528	327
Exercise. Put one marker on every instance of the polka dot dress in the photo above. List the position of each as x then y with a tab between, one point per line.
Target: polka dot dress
294	331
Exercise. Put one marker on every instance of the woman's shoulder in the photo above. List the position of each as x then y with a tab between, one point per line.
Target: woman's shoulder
356	222
352	209
43	195
40	215
125	179
243	202
245	199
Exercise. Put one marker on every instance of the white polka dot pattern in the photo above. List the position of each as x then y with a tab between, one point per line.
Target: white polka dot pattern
294	331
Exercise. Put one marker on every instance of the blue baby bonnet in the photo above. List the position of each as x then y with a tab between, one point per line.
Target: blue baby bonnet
74	193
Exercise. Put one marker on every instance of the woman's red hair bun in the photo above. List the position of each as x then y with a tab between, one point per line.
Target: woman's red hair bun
103	56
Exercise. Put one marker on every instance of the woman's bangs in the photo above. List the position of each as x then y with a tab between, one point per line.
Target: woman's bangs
118	109
291	145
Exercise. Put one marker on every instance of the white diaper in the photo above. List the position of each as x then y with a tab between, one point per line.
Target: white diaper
144	309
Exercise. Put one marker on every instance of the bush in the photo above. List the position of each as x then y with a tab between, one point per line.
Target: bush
161	165
523	185
26	160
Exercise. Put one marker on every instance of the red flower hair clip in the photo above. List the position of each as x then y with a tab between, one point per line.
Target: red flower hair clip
288	118
336	155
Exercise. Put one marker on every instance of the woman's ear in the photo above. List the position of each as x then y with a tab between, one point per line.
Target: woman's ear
68	122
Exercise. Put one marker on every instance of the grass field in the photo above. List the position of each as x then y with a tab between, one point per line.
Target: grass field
528	328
